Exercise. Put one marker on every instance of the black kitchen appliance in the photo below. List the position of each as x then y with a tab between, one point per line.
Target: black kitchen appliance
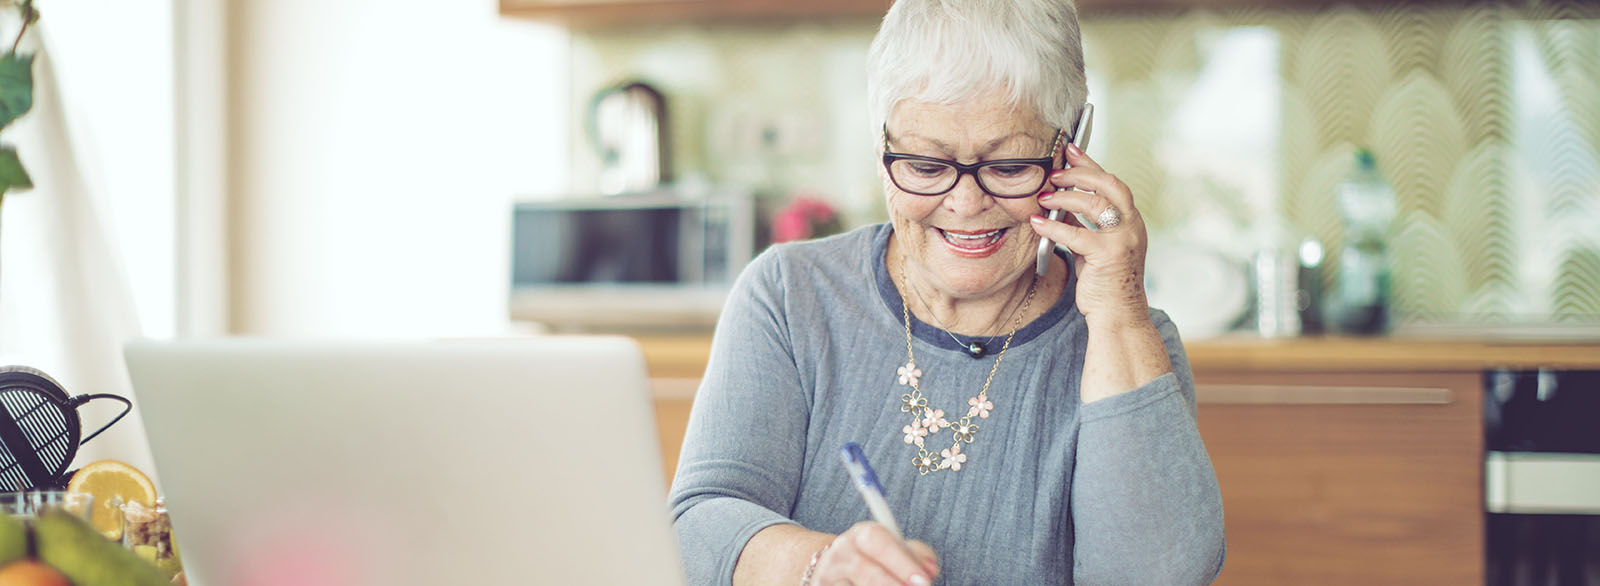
1542	478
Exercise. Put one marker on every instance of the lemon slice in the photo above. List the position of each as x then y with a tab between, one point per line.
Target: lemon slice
112	483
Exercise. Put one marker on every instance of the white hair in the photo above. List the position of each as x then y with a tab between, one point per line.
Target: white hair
951	51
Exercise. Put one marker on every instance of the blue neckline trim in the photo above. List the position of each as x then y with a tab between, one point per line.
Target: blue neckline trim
930	334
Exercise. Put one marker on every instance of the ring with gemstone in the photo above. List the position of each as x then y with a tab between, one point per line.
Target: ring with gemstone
1109	218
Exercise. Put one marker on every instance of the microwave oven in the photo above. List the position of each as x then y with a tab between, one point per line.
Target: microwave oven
640	260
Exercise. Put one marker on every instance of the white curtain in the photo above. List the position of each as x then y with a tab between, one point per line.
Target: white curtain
65	304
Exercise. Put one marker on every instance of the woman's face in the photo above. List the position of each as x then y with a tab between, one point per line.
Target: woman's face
965	243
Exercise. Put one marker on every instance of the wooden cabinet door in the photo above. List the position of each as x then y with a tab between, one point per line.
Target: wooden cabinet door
674	398
1338	478
602	13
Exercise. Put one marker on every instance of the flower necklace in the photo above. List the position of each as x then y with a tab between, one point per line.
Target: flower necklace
926	421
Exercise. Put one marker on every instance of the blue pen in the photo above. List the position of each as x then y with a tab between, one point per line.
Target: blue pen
855	462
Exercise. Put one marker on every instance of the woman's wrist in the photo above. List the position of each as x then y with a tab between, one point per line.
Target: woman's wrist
1122	354
1118	322
805	579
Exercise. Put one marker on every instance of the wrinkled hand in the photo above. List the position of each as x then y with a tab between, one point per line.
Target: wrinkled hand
868	555
1110	262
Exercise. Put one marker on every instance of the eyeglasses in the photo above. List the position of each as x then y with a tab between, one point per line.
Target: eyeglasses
1004	178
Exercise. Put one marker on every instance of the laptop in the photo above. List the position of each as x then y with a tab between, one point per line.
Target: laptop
525	461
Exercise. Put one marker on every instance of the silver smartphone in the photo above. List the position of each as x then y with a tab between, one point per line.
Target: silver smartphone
1080	137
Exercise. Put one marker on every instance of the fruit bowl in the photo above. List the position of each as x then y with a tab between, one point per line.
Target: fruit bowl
56	548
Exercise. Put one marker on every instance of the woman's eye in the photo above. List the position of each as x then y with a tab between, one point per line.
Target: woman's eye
1010	170
928	169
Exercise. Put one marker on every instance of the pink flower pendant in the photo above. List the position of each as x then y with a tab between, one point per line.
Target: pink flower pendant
979	406
909	374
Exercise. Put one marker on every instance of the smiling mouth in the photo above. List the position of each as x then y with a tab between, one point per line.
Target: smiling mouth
972	240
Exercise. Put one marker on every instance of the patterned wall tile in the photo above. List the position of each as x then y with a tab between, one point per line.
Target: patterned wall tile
1497	180
1418	138
1343	66
1413	36
1475	68
1479	219
1427	280
1577	291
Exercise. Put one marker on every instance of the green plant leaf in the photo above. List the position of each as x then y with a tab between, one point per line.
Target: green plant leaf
12	175
16	86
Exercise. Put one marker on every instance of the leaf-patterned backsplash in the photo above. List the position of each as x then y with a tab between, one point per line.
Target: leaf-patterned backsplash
1485	117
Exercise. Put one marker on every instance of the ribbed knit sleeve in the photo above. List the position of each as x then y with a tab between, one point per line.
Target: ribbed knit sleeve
739	471
1147	506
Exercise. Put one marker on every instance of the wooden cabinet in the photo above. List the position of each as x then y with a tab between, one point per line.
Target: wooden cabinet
1341	461
1341	478
590	13
674	399
605	13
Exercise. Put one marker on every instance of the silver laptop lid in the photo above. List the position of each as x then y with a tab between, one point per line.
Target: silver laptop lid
528	461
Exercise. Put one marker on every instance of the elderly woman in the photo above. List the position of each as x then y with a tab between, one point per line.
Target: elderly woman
1028	429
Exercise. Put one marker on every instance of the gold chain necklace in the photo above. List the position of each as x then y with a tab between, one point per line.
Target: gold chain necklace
974	348
927	421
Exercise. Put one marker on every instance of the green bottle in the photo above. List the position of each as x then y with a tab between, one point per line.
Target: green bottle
1360	300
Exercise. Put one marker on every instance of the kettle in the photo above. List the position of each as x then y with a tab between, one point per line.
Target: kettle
627	125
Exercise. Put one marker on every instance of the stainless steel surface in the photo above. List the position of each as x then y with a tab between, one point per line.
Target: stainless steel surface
571	283
1542	483
620	307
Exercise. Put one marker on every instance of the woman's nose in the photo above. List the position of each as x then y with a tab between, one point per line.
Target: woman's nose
967	198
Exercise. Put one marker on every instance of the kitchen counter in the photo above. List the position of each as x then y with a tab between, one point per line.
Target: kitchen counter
1367	451
1386	354
684	355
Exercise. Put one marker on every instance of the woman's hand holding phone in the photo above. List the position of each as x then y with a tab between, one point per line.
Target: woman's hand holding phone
1109	261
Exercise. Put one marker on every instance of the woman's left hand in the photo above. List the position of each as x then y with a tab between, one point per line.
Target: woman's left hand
1110	261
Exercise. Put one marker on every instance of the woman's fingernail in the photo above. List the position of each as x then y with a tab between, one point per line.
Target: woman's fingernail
1037	220
1072	148
919	580
1046	195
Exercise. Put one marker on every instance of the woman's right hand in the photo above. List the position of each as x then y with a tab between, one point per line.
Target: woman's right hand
868	555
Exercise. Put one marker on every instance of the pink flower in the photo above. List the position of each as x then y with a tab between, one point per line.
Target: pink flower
914	433
952	457
789	226
934	420
813	207
803	217
980	406
909	374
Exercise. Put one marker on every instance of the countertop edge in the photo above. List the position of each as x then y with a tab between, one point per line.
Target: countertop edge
685	355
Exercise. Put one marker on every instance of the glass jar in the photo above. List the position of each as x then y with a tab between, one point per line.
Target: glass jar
147	531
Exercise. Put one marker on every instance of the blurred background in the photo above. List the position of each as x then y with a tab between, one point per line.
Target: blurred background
314	168
357	168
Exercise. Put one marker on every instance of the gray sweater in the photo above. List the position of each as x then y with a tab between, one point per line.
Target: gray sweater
804	359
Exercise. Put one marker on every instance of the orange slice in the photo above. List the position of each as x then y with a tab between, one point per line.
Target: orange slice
112	483
32	573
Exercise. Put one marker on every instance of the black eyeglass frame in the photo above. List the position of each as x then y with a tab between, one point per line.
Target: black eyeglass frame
1047	162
